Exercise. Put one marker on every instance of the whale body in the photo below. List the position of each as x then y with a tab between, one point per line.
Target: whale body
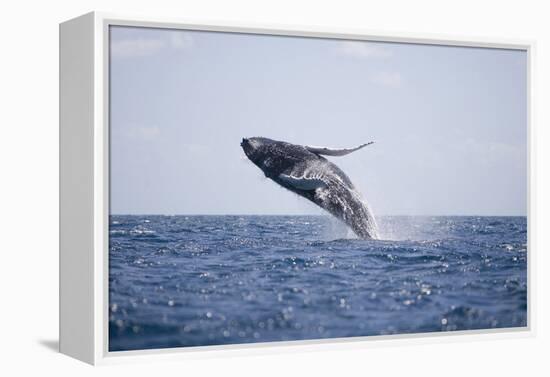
304	171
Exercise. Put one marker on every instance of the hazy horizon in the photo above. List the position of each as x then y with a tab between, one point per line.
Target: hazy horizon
295	214
449	123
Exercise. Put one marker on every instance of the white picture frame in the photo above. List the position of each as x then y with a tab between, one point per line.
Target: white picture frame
84	187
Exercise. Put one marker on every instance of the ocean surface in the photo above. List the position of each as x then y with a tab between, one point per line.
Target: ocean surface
178	281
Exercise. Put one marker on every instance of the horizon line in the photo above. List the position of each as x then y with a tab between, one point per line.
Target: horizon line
305	214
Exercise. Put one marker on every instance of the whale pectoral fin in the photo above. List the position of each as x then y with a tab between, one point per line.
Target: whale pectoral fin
302	183
335	151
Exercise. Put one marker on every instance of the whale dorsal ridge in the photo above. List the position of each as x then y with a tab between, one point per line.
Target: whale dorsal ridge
335	151
302	183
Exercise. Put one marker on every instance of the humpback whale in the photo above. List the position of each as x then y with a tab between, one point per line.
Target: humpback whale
304	171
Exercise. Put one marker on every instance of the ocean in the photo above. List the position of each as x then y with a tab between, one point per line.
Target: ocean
180	281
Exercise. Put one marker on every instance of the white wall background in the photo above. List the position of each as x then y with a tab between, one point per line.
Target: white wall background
29	190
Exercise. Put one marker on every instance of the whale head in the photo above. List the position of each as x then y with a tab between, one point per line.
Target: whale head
272	156
255	148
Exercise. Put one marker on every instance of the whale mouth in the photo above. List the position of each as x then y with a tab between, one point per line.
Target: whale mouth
245	145
249	147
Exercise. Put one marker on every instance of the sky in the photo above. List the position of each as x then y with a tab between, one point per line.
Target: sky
449	123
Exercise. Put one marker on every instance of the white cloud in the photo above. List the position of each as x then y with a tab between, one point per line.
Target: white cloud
171	39
363	49
148	133
135	47
492	153
390	79
195	149
180	40
140	132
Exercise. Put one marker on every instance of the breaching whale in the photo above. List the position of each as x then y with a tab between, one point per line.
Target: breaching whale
304	171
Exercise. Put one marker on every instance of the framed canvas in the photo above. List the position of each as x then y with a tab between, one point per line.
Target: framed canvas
229	187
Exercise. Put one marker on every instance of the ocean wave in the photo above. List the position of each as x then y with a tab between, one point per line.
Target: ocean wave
268	278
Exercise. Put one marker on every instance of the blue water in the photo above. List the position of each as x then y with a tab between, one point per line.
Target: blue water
177	281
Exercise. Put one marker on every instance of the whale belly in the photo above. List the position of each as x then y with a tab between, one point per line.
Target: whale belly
347	205
326	185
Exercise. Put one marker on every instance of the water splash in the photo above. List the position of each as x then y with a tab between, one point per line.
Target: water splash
337	230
